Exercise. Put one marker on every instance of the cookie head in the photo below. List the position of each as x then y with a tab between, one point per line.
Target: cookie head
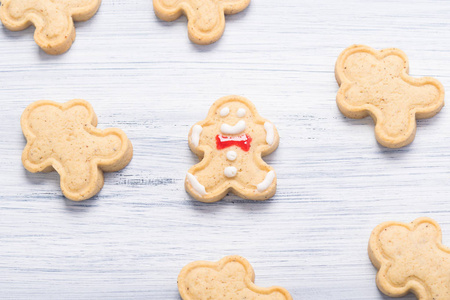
53	19
411	258
377	83
365	68
231	278
231	117
64	138
234	117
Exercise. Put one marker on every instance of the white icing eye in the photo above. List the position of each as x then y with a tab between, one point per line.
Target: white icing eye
225	111
241	112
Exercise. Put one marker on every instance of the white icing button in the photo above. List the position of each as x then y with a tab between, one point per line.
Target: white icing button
231	155
225	111
230	172
241	112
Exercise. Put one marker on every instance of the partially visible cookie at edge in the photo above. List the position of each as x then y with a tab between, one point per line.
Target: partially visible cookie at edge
206	18
410	258
64	137
377	83
53	19
231	278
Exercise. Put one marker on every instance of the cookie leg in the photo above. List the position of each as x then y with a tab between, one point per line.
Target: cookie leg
55	31
80	180
262	187
206	185
206	23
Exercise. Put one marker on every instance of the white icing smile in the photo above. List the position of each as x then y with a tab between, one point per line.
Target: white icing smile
266	183
198	187
230	172
270	134
195	136
236	129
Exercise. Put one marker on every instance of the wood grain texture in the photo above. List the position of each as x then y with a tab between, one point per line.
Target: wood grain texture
335	183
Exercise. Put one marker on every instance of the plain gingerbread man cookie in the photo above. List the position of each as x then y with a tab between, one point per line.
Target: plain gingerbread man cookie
377	83
206	18
64	137
53	20
231	278
230	143
411	258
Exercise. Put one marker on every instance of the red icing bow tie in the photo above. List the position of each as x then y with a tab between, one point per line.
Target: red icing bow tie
242	141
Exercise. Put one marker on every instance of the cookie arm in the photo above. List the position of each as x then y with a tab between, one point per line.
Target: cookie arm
121	157
271	138
429	108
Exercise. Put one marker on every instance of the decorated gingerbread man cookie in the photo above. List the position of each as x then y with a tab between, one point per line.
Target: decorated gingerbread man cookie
64	137
377	83
53	19
411	258
230	143
231	278
206	18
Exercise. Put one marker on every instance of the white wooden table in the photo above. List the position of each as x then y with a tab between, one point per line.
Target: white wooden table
335	183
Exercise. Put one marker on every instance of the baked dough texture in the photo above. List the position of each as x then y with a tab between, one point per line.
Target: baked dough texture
377	83
231	278
64	137
230	143
53	19
411	258
206	18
